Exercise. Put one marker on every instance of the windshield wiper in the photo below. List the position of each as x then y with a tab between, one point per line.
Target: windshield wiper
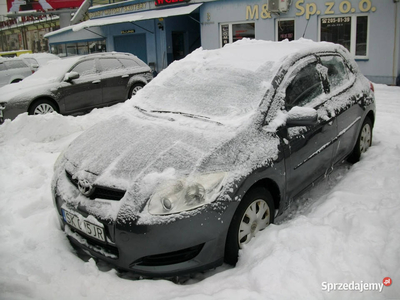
180	113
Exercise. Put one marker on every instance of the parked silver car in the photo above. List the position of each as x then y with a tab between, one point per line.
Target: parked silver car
37	60
76	85
13	70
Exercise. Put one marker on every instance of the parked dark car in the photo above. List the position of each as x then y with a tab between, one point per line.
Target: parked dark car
211	152
76	85
13	70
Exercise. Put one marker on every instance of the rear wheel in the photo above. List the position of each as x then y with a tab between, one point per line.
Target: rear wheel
42	107
135	88
254	213
364	141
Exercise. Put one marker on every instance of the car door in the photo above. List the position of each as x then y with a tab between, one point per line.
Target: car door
84	92
344	103
308	150
115	78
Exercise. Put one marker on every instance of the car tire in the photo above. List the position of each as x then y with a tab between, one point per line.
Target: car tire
364	141
254	213
134	89
41	107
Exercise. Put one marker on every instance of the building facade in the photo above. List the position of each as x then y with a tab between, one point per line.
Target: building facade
165	30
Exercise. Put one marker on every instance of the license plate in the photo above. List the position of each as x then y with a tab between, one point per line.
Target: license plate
84	226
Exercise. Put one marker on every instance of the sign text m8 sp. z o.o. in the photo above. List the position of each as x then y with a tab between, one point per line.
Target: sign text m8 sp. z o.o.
254	12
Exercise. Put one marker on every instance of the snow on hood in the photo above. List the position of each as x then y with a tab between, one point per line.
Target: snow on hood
126	148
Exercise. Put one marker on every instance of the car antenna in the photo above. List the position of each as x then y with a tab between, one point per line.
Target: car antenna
305	29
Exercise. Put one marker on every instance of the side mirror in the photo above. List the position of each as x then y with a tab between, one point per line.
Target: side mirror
71	76
301	116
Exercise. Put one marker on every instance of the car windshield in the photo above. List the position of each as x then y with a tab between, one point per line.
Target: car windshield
210	88
53	71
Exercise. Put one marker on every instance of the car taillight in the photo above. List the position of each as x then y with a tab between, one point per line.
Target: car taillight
371	86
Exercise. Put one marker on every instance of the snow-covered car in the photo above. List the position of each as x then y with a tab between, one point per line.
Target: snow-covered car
13	70
211	152
37	60
76	85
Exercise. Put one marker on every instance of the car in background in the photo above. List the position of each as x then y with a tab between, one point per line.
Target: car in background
37	60
76	85
14	53
216	147
13	70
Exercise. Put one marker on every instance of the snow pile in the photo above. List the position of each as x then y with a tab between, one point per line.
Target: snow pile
346	229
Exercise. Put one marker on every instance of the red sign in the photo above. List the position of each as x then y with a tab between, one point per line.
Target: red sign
41	5
167	2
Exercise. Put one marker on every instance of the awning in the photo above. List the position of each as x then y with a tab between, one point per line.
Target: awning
133	17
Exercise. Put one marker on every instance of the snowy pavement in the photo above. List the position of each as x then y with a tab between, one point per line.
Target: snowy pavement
346	230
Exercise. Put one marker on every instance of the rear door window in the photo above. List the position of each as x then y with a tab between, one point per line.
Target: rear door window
110	64
306	86
338	73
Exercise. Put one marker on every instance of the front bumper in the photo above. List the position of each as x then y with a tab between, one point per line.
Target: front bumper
179	247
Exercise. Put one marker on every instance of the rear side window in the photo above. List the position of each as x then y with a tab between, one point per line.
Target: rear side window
15	64
129	63
109	64
338	73
84	68
305	87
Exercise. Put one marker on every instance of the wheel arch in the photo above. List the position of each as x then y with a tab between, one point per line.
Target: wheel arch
272	187
38	99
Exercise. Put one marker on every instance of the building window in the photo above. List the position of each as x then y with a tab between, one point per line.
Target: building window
236	31
285	30
349	31
81	48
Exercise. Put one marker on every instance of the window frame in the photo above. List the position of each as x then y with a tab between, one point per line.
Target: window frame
353	32
230	24
277	27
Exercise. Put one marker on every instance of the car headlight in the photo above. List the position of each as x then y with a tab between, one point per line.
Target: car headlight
185	194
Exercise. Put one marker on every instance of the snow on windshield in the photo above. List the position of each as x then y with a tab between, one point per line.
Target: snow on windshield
218	84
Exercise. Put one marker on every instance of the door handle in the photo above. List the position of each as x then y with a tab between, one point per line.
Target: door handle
96	81
124	76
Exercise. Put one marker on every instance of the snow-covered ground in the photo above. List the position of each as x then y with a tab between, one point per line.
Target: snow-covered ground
345	230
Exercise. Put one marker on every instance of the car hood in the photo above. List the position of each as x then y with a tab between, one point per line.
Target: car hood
120	151
26	90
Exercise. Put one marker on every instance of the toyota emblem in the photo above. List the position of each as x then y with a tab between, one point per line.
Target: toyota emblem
85	187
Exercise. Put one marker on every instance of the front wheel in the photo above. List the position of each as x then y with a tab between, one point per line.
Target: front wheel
42	107
364	141
255	212
135	88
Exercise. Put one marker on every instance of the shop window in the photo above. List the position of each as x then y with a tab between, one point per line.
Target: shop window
349	31
285	30
80	48
232	32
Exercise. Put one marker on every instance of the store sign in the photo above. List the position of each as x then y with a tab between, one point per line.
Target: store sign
168	2
128	31
308	9
117	10
41	5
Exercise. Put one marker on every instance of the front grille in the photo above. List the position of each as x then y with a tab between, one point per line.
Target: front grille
169	258
100	192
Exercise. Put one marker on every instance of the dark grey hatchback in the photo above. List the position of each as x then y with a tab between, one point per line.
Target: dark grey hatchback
76	85
210	153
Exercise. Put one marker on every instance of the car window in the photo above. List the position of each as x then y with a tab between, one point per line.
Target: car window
109	64
15	64
85	68
338	73
129	63
305	86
